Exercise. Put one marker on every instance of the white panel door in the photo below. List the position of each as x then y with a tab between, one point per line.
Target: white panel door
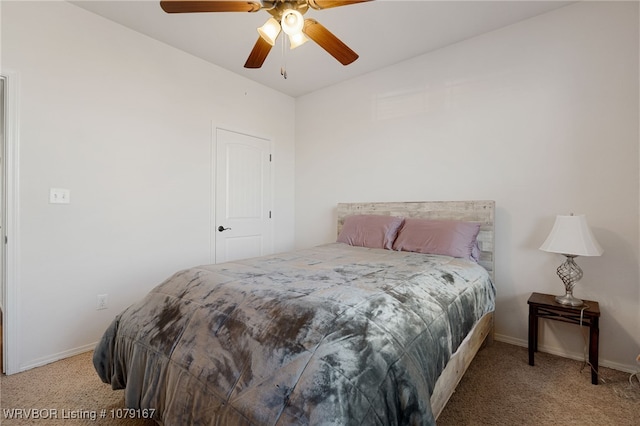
242	225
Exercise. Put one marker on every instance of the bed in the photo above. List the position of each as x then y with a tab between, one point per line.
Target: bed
340	333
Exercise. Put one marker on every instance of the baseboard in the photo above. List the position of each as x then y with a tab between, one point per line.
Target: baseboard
628	368
39	362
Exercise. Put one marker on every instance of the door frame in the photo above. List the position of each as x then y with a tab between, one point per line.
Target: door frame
212	189
10	277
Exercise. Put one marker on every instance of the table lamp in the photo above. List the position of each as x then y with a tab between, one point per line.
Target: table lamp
571	237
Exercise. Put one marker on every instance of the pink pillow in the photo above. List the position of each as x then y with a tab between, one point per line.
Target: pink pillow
371	231
446	237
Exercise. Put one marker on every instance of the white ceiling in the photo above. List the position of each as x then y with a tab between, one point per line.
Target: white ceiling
382	32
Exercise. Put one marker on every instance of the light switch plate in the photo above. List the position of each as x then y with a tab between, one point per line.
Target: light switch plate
59	196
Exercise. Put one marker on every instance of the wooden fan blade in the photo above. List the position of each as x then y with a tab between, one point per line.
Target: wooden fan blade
189	6
329	42
259	53
326	4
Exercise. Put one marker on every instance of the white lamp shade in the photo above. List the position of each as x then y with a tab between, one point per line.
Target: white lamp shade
571	235
269	31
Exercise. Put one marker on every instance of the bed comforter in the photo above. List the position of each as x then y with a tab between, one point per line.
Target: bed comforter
332	335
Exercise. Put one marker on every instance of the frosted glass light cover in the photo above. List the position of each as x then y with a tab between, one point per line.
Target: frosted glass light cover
292	21
270	31
571	235
297	39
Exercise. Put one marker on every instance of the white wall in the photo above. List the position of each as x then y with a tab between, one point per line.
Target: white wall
125	123
541	117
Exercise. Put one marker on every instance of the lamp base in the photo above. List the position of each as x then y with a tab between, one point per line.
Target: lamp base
569	299
570	273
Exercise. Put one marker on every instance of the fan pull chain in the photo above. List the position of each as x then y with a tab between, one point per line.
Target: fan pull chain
283	67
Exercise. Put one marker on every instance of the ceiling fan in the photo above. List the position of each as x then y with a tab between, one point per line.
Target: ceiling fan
286	15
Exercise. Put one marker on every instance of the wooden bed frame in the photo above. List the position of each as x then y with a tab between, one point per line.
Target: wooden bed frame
469	211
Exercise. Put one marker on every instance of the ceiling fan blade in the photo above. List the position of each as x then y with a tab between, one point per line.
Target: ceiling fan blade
188	6
326	4
259	53
329	42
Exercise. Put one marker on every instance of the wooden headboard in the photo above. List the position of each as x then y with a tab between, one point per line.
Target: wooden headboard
468	211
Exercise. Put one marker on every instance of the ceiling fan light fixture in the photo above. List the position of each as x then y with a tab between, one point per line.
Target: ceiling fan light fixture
297	39
270	31
286	15
292	21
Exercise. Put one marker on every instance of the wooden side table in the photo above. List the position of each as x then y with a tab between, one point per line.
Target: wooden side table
588	315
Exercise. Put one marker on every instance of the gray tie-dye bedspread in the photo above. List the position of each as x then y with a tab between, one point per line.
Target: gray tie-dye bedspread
332	335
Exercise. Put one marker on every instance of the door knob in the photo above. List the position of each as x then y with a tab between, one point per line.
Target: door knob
222	228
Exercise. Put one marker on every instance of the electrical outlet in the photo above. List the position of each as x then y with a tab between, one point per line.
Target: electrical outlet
102	302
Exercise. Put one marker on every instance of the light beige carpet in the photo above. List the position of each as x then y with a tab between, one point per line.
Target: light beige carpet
500	388
71	387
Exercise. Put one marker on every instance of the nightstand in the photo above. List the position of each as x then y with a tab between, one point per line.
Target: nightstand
588	315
